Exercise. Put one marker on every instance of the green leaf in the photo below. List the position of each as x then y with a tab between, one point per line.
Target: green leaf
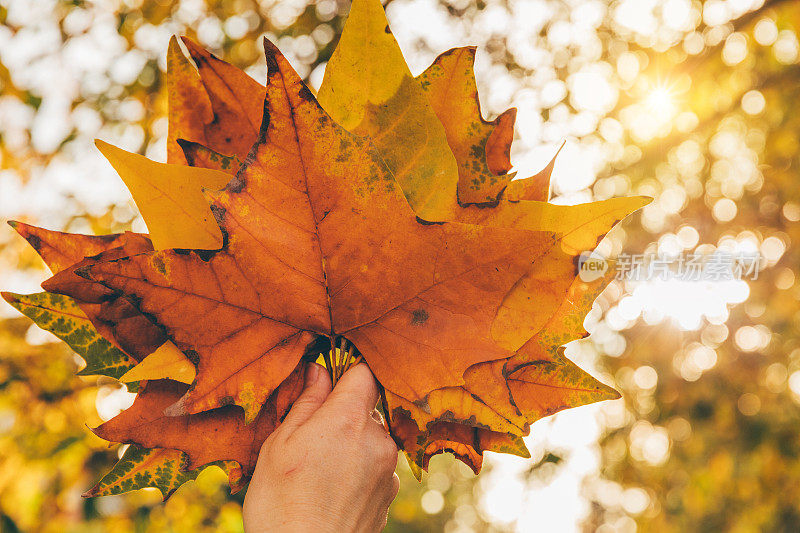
141	468
61	316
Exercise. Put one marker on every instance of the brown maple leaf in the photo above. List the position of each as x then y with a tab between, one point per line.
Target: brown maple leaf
465	442
320	241
219	434
210	102
115	318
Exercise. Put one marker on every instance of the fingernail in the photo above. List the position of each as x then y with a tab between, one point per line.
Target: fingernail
312	374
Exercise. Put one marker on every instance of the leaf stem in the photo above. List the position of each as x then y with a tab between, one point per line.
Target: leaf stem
341	356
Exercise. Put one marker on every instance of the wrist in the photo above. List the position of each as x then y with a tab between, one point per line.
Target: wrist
299	516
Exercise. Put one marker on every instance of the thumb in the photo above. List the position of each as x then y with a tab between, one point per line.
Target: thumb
357	392
316	388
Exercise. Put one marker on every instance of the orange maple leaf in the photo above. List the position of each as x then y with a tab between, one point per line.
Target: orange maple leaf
315	217
215	435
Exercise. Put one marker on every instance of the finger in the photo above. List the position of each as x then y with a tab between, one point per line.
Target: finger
381	522
356	391
389	492
394	490
316	388
376	415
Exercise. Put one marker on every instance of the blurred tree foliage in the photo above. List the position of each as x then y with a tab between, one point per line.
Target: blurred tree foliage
691	102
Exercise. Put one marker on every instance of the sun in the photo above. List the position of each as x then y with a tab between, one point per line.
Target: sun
660	100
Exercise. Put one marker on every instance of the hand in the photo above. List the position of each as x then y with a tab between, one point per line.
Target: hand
329	467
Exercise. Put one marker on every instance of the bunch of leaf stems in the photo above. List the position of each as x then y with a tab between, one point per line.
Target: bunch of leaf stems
340	359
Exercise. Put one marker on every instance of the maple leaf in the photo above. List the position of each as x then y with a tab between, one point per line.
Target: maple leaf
170	198
65	318
315	217
206	438
116	319
376	104
62	316
210	102
376	96
159	468
485	400
480	147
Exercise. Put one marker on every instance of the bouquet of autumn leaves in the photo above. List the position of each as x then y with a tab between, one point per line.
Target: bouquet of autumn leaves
375	221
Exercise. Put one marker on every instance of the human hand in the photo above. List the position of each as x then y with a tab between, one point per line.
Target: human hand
329	467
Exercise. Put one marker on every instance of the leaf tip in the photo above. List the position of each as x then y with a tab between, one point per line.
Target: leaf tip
20	227
184	143
107	149
271	53
415	468
113	154
197	52
10	297
98	431
94	491
129	376
471	50
612	394
634	203
603	392
509	117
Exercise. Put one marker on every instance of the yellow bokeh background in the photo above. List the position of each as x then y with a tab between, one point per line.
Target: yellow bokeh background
694	103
